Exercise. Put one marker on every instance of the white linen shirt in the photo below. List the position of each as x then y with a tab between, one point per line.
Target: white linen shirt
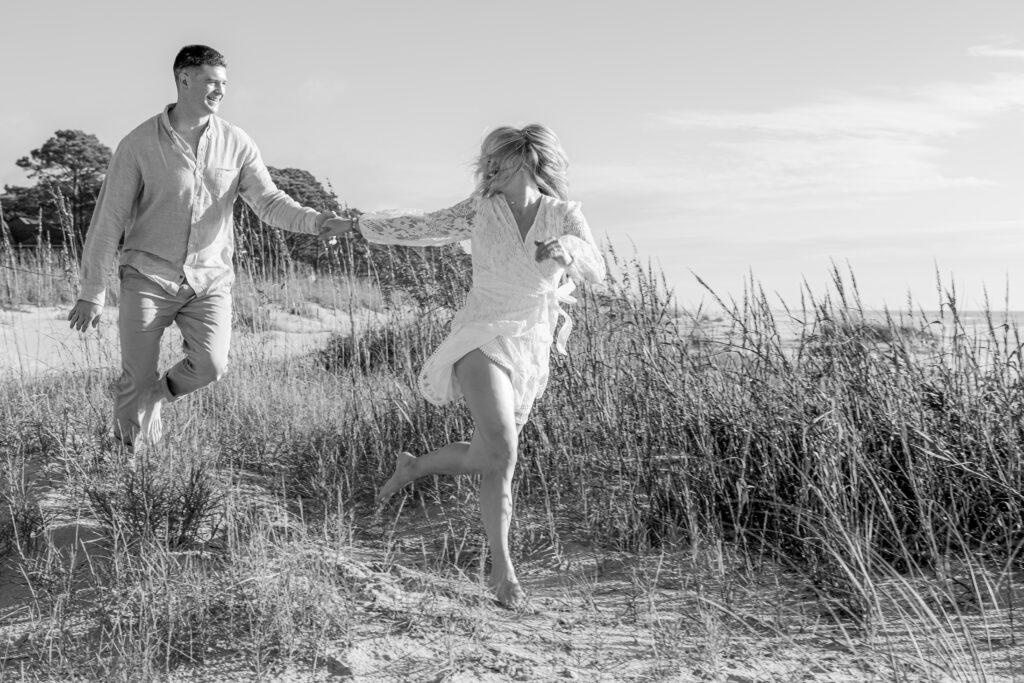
174	208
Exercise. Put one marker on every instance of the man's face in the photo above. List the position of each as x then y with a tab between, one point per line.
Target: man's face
204	87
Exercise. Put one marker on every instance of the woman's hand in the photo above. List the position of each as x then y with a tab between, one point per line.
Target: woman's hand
552	249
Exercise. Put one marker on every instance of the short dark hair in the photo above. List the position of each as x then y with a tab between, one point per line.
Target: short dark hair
197	55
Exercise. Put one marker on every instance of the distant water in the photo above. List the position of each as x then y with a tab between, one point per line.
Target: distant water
791	324
969	319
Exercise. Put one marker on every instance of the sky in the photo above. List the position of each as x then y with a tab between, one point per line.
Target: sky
727	141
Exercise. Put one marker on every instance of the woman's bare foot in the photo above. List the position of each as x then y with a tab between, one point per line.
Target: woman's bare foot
400	478
509	594
507	590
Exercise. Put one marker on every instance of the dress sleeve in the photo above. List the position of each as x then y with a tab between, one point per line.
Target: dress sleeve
587	260
415	229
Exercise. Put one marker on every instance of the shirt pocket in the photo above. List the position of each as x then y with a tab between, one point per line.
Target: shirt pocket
223	181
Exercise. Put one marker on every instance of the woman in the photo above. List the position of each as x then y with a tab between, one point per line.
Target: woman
525	236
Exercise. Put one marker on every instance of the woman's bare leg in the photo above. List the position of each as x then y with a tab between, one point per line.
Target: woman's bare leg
450	459
495	443
491	453
489	396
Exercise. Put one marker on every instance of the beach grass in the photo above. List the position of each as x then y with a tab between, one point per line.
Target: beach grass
743	489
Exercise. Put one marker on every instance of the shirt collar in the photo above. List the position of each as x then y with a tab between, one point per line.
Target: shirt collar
165	121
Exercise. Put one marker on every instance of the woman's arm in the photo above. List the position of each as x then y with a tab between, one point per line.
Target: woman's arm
421	230
586	261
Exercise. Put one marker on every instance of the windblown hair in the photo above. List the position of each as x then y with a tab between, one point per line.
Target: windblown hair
197	55
535	148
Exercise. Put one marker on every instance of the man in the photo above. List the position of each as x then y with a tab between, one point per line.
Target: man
169	193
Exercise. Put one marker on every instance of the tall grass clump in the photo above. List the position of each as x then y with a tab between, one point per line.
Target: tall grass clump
874	456
21	517
34	432
133	565
44	274
37	276
175	502
907	434
852	446
904	430
271	596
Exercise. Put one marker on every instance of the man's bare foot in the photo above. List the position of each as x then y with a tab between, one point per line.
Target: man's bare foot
510	595
152	429
400	478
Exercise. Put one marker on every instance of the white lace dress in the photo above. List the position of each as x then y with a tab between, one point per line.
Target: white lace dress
514	305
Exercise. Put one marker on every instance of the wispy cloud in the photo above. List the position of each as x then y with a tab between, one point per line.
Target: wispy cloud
1002	48
934	110
984	237
840	150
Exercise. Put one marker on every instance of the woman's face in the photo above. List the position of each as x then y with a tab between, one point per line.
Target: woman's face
501	171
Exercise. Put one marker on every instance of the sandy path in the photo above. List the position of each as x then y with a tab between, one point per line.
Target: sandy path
36	341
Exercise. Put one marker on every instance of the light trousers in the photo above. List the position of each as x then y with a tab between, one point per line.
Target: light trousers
145	311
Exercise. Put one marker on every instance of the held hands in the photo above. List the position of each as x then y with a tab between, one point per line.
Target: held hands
85	314
335	226
552	249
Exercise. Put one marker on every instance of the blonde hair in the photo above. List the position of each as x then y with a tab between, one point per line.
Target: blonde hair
534	148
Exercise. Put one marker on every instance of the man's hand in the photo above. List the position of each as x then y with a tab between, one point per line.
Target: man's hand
336	227
84	315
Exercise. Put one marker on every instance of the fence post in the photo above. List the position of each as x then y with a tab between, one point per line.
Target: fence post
6	241
6	252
